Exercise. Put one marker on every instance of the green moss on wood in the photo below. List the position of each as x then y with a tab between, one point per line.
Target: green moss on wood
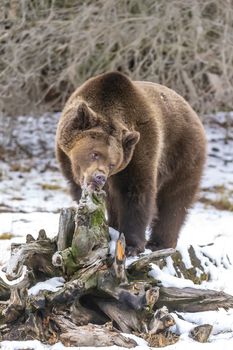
196	273
90	234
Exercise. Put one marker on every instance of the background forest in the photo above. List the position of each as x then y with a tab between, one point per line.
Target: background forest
49	47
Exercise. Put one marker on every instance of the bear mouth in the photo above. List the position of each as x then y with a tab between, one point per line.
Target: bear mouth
91	185
95	186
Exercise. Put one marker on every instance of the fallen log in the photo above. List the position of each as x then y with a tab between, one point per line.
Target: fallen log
194	300
99	288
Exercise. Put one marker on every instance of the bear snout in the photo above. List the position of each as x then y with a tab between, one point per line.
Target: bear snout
99	179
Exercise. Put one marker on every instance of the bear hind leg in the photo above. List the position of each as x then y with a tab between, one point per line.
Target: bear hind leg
172	208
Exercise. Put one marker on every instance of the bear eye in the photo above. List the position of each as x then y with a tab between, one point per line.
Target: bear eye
111	166
94	156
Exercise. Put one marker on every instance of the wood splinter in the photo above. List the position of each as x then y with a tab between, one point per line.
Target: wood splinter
119	260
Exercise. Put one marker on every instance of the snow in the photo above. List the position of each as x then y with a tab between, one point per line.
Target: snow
220	153
27	191
21	224
32	196
36	345
220	320
168	280
52	285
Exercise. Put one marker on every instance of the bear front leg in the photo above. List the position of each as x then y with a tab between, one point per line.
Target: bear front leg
135	214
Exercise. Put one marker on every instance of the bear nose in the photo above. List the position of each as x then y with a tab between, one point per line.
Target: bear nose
99	179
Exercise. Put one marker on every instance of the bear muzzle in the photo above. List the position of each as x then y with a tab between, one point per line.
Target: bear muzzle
97	180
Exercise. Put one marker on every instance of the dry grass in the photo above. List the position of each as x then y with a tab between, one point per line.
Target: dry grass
52	187
221	199
6	235
48	47
221	203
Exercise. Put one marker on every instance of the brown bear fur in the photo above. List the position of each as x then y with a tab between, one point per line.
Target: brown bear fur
156	143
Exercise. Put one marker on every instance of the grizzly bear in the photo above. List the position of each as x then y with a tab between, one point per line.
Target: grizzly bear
144	145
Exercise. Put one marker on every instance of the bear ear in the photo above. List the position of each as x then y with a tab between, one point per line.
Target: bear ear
130	139
85	118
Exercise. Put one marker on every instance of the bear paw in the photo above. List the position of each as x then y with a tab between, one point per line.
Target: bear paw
153	246
134	250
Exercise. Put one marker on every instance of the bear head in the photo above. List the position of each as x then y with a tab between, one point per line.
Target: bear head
97	148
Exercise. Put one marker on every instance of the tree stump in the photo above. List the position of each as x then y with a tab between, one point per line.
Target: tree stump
101	297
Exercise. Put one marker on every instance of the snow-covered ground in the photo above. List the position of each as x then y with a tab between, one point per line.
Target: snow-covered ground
32	191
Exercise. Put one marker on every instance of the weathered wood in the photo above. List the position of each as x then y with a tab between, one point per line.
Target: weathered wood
134	313
161	321
34	326
4	291
36	255
160	340
66	228
90	238
86	280
158	335
90	335
193	300
201	333
29	263
98	289
16	305
83	315
144	262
